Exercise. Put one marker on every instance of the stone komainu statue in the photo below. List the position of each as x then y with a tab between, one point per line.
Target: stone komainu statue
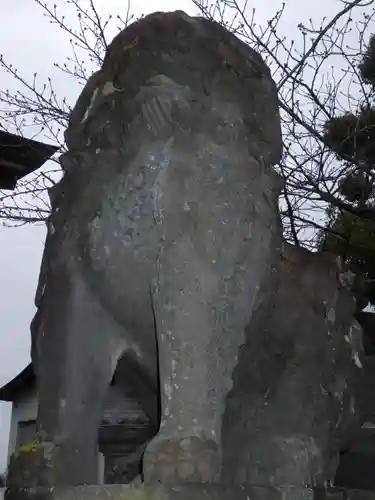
164	247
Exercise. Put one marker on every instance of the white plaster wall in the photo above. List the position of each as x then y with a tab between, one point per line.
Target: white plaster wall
101	468
24	409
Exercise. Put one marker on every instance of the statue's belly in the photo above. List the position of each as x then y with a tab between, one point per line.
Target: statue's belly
120	244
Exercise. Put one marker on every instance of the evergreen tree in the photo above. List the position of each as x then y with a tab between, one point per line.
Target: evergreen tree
350	231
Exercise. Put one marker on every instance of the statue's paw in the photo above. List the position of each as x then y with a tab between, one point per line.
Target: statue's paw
28	466
179	459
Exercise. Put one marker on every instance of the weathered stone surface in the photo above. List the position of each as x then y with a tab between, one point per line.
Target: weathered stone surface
165	222
26	467
292	408
188	492
367	322
183	492
164	243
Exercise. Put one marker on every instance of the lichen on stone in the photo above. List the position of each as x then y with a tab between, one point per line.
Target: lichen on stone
29	447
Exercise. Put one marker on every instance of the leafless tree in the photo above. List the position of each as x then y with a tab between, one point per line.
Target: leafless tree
316	75
33	107
317	78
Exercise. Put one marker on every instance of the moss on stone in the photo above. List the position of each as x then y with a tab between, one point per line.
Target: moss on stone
27	448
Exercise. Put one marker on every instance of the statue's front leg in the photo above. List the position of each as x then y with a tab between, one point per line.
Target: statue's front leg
208	275
187	447
77	345
199	334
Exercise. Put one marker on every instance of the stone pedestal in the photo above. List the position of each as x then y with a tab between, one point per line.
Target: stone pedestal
188	492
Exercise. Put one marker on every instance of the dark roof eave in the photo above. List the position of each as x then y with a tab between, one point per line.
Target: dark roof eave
21	382
19	157
25	379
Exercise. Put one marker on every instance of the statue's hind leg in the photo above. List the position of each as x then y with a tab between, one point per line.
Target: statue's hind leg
76	349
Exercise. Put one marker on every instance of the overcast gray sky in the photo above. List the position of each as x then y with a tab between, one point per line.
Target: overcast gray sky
32	44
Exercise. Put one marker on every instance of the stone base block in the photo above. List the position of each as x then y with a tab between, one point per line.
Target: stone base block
185	492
